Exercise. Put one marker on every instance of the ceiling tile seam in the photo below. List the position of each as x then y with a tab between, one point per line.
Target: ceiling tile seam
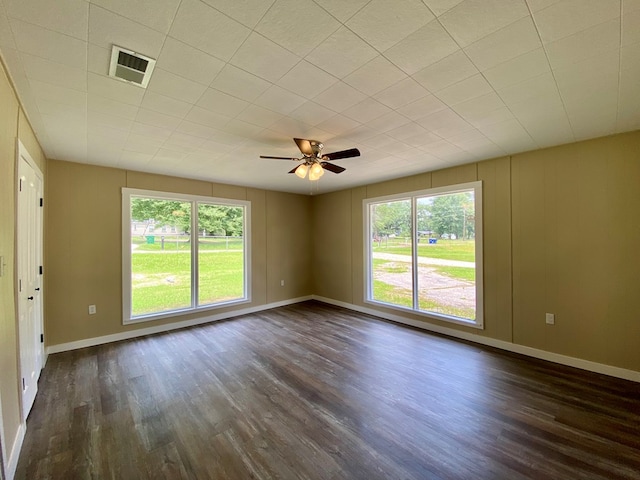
436	18
128	130
164	41
12	19
102	7
230	62
486	80
252	102
346	20
226	62
399	67
368	44
273	2
94	5
253	30
553	75
617	125
20	97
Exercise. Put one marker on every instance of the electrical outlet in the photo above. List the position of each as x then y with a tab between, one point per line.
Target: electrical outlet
550	319
282	283
92	309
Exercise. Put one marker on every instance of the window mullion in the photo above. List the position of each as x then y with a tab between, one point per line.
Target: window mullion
194	254
414	251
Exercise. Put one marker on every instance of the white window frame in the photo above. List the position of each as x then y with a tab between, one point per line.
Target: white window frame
413	196
127	193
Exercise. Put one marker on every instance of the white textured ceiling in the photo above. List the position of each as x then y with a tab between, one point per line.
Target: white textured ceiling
415	85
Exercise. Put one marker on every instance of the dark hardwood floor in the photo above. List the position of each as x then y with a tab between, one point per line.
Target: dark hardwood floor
312	391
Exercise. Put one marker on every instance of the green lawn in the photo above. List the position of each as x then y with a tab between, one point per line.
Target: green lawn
463	250
462	273
162	281
392	266
394	295
383	292
183	243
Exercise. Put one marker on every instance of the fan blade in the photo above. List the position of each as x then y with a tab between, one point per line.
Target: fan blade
280	158
304	146
293	170
352	152
332	168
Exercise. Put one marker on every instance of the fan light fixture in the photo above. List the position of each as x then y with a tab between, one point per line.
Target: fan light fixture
314	162
301	171
316	172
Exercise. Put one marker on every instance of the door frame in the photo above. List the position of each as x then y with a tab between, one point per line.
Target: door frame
23	154
3	454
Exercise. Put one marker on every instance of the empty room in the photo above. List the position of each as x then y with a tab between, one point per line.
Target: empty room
319	239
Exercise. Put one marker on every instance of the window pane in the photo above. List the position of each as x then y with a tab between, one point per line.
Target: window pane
160	255
391	246
220	253
446	254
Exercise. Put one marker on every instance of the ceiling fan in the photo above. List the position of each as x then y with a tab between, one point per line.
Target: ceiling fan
314	161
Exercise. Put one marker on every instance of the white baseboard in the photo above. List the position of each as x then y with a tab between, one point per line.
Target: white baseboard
472	337
492	342
115	337
12	463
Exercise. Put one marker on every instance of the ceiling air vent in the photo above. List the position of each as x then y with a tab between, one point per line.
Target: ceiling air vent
131	66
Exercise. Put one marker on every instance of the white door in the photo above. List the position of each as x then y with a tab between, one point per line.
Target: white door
29	251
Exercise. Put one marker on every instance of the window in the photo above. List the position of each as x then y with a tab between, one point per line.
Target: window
182	253
424	252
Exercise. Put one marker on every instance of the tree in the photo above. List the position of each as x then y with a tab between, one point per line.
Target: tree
213	219
392	218
152	211
220	220
453	214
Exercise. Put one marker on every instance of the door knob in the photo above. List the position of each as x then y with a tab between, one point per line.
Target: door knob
37	289
29	298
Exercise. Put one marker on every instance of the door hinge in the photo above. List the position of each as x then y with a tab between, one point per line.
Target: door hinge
41	201
23	385
42	338
20	185
40	270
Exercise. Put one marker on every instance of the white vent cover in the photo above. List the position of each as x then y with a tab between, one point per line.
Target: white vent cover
131	66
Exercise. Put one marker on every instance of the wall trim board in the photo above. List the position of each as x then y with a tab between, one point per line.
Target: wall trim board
115	337
12	463
492	342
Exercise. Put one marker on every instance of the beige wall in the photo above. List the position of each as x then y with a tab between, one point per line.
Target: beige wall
13	124
561	235
84	246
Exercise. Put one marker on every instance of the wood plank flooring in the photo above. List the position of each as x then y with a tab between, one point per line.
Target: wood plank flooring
312	391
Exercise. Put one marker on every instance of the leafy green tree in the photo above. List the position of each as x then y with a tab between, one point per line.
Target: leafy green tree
220	220
392	218
162	213
424	215
453	214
